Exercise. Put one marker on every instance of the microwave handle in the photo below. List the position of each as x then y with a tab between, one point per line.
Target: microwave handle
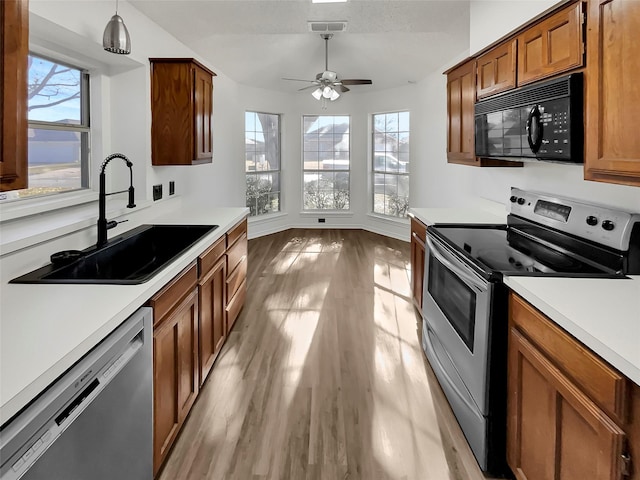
534	129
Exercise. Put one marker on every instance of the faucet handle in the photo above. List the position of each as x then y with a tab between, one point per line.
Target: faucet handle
112	223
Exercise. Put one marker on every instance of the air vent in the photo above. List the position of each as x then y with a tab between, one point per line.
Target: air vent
327	27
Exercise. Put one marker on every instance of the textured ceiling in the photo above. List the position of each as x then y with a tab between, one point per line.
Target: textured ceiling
257	42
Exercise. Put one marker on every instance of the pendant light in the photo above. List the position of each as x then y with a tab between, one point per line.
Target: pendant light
116	37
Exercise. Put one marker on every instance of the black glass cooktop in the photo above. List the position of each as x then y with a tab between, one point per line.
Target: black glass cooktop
499	248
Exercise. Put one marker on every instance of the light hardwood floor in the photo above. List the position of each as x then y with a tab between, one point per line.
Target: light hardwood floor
323	376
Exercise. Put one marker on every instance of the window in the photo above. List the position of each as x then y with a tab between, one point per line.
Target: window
325	162
58	130
262	162
390	164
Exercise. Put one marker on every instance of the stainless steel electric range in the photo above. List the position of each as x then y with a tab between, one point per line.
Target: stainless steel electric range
465	301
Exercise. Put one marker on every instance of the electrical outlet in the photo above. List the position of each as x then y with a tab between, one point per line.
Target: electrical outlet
172	187
157	192
322	220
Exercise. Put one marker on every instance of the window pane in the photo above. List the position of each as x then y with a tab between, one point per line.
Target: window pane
54	92
390	163
262	154
55	162
263	193
326	162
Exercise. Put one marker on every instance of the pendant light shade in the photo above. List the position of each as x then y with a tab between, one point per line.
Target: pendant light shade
116	37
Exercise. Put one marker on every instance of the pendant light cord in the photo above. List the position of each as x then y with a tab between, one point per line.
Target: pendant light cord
116	7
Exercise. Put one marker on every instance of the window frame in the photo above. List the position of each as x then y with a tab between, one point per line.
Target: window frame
323	170
257	173
83	128
373	171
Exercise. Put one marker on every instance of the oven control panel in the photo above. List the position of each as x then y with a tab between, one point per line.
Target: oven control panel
596	223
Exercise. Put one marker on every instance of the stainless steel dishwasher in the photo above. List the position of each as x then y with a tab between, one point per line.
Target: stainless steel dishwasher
95	421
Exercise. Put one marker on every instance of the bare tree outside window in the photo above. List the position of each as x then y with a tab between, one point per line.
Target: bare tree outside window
262	162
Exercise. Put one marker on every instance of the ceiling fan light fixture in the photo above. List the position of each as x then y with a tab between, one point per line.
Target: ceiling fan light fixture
334	95
326	92
317	93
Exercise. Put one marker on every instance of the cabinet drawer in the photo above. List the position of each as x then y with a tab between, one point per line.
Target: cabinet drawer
419	228
601	382
236	278
236	254
166	299
236	232
209	258
235	305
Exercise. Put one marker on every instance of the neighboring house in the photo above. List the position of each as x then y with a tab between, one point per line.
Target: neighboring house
50	147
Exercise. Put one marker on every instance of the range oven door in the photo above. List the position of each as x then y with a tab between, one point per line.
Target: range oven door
457	308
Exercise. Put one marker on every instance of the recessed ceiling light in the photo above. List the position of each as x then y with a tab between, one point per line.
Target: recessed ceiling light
328	1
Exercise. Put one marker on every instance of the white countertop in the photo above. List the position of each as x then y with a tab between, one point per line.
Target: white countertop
45	329
433	216
604	314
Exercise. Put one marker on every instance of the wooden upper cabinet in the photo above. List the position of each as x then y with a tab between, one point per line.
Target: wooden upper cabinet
14	50
612	146
552	46
496	70
181	112
461	98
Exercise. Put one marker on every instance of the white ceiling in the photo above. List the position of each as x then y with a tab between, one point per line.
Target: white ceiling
257	42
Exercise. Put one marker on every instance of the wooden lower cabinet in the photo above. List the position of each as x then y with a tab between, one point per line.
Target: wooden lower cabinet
213	330
418	249
237	247
556	430
175	366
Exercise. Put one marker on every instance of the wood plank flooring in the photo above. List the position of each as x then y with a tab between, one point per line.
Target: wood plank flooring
323	376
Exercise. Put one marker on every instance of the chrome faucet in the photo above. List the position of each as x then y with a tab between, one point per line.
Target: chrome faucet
103	225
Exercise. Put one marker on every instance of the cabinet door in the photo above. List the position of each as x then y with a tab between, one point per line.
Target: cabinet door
555	432
461	97
212	332
14	50
552	46
497	70
203	114
418	232
613	93
175	374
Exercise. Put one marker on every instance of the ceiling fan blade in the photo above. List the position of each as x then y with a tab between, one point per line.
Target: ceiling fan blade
353	81
299	80
315	85
343	89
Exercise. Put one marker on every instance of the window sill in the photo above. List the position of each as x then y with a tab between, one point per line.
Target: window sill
37	206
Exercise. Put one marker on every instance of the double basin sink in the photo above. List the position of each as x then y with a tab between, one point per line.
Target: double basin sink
130	259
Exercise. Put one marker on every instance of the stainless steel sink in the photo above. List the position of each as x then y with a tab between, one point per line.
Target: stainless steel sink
132	258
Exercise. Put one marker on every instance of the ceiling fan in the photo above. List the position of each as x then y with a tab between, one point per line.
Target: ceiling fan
328	83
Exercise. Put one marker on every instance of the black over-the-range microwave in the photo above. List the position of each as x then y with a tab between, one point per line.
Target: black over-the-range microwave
542	121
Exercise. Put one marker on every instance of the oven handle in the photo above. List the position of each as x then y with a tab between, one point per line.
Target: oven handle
445	376
472	279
